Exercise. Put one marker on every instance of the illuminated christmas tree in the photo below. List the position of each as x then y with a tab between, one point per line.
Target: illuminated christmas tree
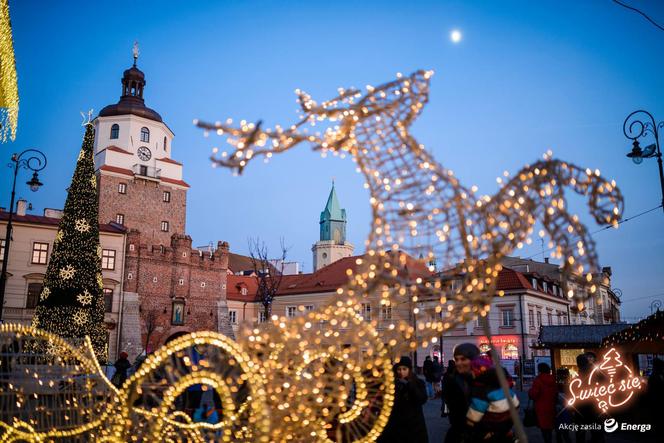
71	303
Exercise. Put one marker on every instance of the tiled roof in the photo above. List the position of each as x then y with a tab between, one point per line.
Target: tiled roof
175	182
577	335
333	276
116	149
509	279
52	221
116	169
234	285
169	160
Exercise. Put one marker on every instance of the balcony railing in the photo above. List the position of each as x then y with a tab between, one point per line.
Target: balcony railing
147	171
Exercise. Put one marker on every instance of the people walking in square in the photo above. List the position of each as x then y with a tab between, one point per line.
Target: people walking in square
544	394
121	366
406	422
437	370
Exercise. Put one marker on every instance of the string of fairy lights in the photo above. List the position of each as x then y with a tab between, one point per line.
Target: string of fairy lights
8	82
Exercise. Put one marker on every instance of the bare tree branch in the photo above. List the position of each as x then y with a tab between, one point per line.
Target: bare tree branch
268	274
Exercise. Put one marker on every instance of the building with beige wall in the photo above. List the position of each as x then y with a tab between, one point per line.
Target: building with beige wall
30	250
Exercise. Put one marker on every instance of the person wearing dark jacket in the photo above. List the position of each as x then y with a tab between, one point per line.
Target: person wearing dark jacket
121	366
406	422
544	393
456	390
427	371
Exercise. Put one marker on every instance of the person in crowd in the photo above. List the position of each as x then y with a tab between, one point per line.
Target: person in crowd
206	414
121	366
456	390
437	369
563	415
427	371
585	414
406	422
488	416
544	393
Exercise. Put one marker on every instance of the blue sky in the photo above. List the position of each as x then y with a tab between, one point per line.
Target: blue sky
527	77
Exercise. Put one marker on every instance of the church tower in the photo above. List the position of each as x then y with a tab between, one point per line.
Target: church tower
332	245
140	185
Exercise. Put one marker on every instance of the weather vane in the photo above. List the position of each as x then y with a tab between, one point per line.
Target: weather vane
136	52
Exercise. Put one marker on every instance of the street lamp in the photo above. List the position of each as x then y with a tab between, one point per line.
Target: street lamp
35	161
634	128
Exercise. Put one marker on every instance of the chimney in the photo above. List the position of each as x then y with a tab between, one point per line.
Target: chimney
21	206
546	260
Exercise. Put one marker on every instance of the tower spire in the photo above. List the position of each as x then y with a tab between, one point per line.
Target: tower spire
135	52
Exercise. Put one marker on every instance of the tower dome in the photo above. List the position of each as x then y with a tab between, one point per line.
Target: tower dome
131	100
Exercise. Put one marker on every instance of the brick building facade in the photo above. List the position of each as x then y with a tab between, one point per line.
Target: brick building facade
169	287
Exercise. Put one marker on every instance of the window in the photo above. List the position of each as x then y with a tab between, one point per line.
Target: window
115	131
261	317
108	299
2	249
165	143
145	134
181	282
177	315
508	318
243	291
481	322
167	196
366	311
39	253
154	279
534	281
291	311
386	312
130	276
531	318
34	289
119	219
122	188
232	316
539	318
546	288
308	308
164	226
202	284
549	318
108	259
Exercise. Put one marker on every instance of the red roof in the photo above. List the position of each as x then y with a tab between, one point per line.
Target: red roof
116	149
334	275
509	279
235	284
131	173
52	221
169	160
116	169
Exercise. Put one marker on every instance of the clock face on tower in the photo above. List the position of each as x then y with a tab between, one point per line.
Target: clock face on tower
144	153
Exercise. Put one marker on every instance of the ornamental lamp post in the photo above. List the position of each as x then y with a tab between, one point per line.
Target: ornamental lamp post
634	128
35	161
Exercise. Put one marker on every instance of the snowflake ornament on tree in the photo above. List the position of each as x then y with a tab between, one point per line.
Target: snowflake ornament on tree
80	317
67	272
44	293
85	298
82	225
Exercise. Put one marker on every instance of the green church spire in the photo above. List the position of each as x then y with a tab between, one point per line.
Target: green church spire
333	220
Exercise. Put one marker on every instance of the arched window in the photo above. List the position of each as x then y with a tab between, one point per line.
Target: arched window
165	143
145	134
115	130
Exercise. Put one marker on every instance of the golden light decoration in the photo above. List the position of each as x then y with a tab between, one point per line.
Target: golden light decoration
8	84
420	209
